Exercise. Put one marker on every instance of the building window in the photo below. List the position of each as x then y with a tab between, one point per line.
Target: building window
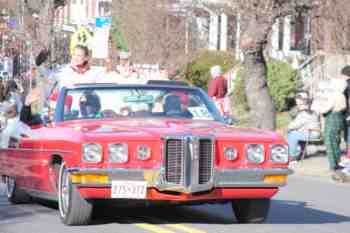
219	33
299	31
280	33
104	8
202	30
231	32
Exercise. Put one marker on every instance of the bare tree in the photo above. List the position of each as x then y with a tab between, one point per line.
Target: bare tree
331	25
39	23
257	19
156	32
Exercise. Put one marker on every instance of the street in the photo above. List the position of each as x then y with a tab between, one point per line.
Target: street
306	204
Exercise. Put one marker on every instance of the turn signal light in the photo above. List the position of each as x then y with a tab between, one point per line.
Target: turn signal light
275	179
89	178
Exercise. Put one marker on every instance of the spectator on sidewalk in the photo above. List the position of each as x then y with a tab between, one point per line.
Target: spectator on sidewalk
345	74
332	105
305	126
14	129
126	70
11	93
111	75
217	89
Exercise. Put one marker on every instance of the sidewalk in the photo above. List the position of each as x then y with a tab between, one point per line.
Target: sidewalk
315	165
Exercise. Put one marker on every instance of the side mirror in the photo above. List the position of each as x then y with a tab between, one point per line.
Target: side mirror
230	120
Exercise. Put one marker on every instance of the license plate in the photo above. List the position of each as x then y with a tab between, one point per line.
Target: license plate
129	189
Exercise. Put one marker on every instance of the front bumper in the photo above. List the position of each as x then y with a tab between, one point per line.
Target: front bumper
222	178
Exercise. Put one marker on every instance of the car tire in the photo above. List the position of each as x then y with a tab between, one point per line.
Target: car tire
74	210
251	210
14	194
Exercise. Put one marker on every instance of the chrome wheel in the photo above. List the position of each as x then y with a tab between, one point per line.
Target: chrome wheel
74	210
63	191
10	186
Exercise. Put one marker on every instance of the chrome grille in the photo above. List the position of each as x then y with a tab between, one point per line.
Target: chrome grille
189	162
174	161
205	160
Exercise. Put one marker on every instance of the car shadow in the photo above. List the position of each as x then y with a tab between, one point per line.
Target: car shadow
296	212
281	212
21	212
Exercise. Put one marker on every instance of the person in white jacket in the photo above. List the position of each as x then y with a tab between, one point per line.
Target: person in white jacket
78	71
332	105
306	125
13	128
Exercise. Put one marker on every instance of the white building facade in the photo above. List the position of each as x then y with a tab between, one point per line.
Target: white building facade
82	12
217	30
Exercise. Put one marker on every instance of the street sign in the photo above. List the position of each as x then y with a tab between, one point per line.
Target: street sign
101	36
103	22
81	37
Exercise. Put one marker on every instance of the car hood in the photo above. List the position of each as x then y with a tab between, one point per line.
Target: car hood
157	128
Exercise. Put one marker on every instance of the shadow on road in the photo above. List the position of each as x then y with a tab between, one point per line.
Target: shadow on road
22	212
281	212
296	212
160	215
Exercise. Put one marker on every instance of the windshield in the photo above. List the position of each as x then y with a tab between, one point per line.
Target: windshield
146	102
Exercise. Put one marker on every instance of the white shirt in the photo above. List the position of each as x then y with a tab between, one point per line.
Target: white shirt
66	76
14	128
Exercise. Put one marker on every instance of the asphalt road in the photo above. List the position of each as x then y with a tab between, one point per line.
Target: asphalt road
306	205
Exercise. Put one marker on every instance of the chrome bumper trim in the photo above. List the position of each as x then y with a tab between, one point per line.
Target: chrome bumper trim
232	178
149	175
225	178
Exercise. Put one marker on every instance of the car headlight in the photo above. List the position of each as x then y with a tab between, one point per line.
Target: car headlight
279	153
118	153
230	153
143	152
92	153
255	153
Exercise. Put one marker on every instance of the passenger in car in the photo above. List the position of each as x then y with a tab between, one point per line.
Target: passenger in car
90	105
125	111
157	106
173	107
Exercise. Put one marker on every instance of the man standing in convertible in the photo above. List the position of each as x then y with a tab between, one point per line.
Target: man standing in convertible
78	71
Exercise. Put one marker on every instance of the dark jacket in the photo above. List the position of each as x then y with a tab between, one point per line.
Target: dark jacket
28	118
347	96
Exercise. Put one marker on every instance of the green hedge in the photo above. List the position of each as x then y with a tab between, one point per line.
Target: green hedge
117	36
198	71
281	79
238	97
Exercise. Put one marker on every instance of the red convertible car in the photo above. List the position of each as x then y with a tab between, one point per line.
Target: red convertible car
159	142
